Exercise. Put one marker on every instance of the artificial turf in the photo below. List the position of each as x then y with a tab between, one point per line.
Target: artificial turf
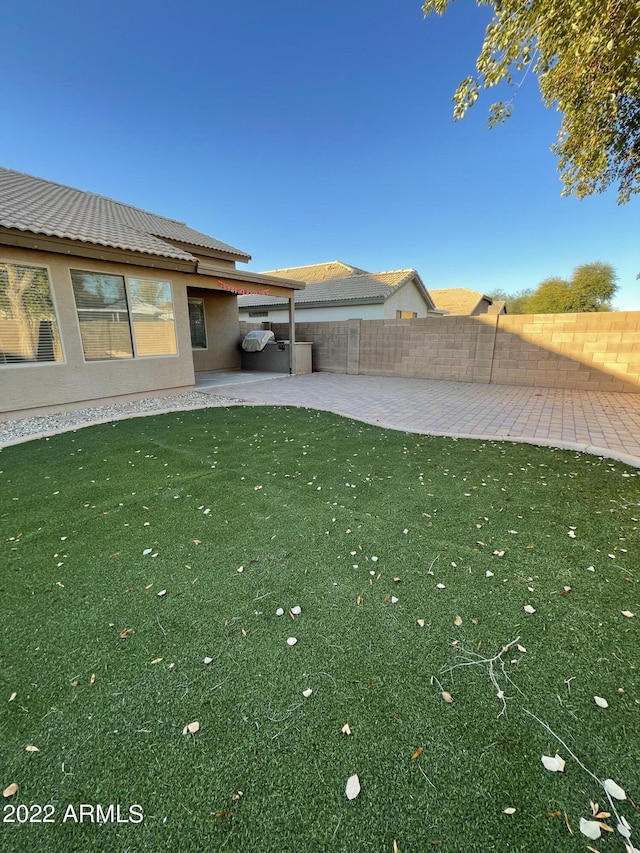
245	510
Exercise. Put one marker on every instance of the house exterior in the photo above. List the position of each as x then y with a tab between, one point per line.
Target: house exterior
101	300
464	302
339	291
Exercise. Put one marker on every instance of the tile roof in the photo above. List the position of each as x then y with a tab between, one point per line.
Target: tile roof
314	273
460	300
352	288
43	207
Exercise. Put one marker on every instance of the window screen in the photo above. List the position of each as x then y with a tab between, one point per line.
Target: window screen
151	307
28	324
103	313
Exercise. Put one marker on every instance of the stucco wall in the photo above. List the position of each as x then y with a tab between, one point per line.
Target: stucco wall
598	352
25	387
222	326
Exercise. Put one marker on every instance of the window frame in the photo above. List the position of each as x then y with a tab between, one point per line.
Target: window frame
127	292
52	295
204	323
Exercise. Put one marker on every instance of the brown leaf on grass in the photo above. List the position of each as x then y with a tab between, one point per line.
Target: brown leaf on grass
592	849
74	683
191	728
224	813
10	790
126	632
566	820
396	849
448	698
604	826
345	729
156	660
372	686
555	814
92	680
457	621
12	697
396	716
359	600
417	753
627	613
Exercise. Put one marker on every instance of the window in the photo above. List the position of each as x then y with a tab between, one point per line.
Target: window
197	323
120	319
406	315
28	324
258	313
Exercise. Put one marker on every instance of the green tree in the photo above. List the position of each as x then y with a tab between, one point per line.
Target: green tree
585	54
591	287
552	296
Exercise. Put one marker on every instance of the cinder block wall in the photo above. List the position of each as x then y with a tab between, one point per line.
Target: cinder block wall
599	352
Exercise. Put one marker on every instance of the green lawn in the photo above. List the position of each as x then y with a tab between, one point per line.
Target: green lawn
246	510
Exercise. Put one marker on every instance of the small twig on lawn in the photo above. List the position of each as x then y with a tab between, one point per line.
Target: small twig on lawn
337	827
260	597
427	778
160	626
548	729
492	675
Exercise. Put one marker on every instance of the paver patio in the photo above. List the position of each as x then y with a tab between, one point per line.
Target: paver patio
607	424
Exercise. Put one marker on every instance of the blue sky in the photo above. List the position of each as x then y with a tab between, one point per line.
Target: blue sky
304	132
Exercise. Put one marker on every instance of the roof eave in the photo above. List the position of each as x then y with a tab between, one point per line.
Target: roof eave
83	249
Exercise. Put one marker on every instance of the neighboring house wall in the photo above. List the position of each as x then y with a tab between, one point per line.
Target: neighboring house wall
598	352
317	315
74	379
407	298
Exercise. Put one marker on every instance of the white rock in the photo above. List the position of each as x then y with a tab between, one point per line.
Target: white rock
488	574
297	610
600	702
353	787
207	661
440	586
529	609
306	693
291	641
279	612
394	600
162	593
420	623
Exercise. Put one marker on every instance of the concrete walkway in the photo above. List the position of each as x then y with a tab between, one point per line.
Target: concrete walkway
606	424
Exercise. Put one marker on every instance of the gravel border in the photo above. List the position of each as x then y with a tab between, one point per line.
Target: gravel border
26	429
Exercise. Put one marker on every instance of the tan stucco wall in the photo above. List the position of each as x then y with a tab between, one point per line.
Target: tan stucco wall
222	325
30	386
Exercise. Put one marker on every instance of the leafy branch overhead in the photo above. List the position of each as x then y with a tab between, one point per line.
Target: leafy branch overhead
585	54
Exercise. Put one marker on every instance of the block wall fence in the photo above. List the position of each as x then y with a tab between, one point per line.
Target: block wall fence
596	352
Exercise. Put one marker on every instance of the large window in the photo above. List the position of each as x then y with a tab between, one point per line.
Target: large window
197	323
123	318
28	325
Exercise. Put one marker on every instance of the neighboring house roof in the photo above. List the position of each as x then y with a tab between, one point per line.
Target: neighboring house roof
42	207
462	300
313	273
355	288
